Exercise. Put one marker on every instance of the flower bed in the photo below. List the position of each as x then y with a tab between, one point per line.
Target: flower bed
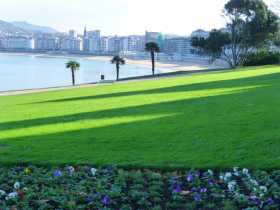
111	188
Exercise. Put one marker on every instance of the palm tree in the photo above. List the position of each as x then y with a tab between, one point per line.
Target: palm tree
74	66
153	48
118	61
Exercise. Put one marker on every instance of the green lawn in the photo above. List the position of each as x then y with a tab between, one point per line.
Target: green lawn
209	120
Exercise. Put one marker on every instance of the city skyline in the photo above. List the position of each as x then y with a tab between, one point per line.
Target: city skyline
122	17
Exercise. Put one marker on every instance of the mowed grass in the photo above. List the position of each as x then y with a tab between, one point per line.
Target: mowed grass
219	120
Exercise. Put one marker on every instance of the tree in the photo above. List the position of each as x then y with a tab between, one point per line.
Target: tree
74	66
153	48
118	61
250	26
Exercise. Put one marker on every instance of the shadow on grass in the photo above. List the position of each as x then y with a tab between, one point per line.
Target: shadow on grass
156	108
178	88
203	132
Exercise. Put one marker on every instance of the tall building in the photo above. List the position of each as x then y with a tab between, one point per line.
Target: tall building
200	33
46	42
85	40
94	39
114	45
104	44
71	42
180	45
17	42
154	37
136	43
73	34
124	44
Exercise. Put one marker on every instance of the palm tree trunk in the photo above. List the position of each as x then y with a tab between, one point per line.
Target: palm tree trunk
118	70
153	61
73	77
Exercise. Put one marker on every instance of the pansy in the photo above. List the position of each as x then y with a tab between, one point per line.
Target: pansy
105	200
228	176
255	200
254	182
70	169
203	190
16	185
189	177
231	186
27	171
176	189
210	172
245	171
236	171
2	193
57	173
89	199
11	195
269	201
263	189
211	182
93	171
197	197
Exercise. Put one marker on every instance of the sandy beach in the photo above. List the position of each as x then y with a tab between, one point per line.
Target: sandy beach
165	66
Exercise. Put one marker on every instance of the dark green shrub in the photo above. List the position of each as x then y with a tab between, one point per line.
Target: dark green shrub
262	58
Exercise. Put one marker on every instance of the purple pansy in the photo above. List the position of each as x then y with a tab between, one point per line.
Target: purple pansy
176	189
203	190
197	197
189	177
57	173
255	200
89	199
211	182
105	200
269	201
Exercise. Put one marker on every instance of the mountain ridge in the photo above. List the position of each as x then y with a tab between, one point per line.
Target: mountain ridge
33	28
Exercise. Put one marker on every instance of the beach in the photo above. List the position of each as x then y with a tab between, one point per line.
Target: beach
165	66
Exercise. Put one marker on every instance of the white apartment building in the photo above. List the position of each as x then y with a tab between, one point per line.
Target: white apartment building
104	44
94	41
46	42
17	42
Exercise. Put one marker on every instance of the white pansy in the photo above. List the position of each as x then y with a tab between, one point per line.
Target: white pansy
17	185
263	189
254	182
210	172
71	169
93	171
231	186
11	195
227	176
245	171
2	193
236	171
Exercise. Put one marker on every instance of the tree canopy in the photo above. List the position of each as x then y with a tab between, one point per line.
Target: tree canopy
250	25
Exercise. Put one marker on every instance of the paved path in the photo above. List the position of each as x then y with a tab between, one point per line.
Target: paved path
130	79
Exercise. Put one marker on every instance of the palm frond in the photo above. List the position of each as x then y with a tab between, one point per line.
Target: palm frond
118	59
152	46
73	65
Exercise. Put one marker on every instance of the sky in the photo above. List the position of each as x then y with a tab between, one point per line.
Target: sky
119	17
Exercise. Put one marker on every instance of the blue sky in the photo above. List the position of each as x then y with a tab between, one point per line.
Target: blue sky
120	17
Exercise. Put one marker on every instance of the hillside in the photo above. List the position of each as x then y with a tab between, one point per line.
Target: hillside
6	27
33	28
215	120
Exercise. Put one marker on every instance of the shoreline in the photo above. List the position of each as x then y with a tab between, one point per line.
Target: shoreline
163	66
124	80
